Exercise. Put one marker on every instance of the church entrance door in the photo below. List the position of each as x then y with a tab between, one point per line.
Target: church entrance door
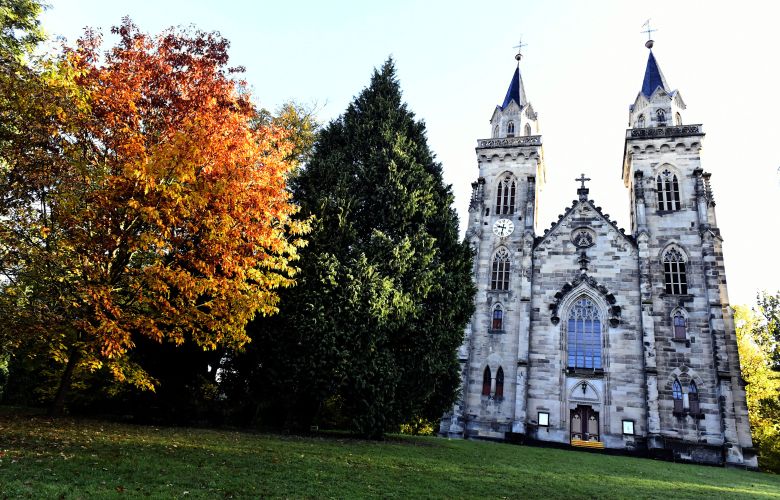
584	424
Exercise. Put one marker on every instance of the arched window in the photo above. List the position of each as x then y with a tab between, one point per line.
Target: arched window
584	335
640	122
677	396
495	131
675	279
693	398
661	117
499	277
668	190
500	383
679	325
677	119
486	382
527	129
498	318
510	129
505	195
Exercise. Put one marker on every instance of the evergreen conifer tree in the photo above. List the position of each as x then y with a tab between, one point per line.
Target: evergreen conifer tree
369	334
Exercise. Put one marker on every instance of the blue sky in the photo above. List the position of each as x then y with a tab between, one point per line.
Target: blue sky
583	65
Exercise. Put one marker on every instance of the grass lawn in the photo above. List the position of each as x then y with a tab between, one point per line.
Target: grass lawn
69	458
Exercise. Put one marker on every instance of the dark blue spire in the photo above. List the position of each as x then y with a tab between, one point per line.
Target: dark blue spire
516	92
653	77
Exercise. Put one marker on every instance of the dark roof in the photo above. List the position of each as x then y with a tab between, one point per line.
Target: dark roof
516	91
653	77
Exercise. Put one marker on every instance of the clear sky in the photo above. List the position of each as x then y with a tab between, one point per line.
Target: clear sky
583	65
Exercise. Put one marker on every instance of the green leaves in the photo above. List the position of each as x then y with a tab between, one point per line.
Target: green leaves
385	288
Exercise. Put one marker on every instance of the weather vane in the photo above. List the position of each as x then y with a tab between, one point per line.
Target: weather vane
649	31
519	48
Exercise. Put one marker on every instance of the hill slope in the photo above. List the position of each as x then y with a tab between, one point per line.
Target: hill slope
68	458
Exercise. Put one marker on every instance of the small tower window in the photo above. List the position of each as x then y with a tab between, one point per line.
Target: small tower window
676	396
675	279
693	398
640	122
486	382
500	383
527	129
499	277
668	191
677	119
661	117
679	326
510	129
495	132
498	318
505	196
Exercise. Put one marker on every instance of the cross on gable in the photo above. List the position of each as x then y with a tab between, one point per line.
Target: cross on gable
582	179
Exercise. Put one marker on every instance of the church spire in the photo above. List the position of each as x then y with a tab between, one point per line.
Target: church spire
653	76
516	90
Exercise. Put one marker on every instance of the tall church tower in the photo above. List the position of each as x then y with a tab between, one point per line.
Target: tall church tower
694	387
591	336
502	221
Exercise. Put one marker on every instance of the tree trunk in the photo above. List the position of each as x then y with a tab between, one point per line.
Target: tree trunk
58	405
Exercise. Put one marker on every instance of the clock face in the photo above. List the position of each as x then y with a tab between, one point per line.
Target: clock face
503	227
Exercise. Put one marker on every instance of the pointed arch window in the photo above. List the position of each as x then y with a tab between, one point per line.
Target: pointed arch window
693	398
679	325
677	119
527	129
486	379
498	318
510	129
495	131
661	117
640	122
499	276
668	189
677	396
584	335
500	383
506	192
675	278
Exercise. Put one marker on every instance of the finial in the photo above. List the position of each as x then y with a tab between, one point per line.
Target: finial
583	191
649	42
519	48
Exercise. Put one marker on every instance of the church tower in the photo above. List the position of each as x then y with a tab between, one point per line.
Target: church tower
696	400
502	220
588	335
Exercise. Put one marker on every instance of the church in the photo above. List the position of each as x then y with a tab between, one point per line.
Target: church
590	335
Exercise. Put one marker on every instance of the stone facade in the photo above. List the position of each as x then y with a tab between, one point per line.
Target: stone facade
590	336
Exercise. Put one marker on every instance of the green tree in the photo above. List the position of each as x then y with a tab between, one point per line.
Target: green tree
369	334
756	339
20	30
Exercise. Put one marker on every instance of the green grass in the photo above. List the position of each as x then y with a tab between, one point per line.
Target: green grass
69	458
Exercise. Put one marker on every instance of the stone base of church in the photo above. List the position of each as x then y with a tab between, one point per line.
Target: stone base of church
656	447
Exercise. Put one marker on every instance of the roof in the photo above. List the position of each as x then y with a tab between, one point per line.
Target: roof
516	91
653	77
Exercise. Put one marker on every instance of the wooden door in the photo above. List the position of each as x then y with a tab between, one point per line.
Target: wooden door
584	424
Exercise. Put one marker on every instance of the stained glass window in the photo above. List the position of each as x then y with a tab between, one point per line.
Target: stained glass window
584	335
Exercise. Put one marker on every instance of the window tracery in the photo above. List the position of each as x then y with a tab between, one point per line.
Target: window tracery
668	190
499	276
506	192
584	335
675	278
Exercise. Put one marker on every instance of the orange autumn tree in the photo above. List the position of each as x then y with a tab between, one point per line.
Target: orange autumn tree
164	212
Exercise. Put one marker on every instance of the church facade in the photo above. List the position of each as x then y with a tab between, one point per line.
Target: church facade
590	335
